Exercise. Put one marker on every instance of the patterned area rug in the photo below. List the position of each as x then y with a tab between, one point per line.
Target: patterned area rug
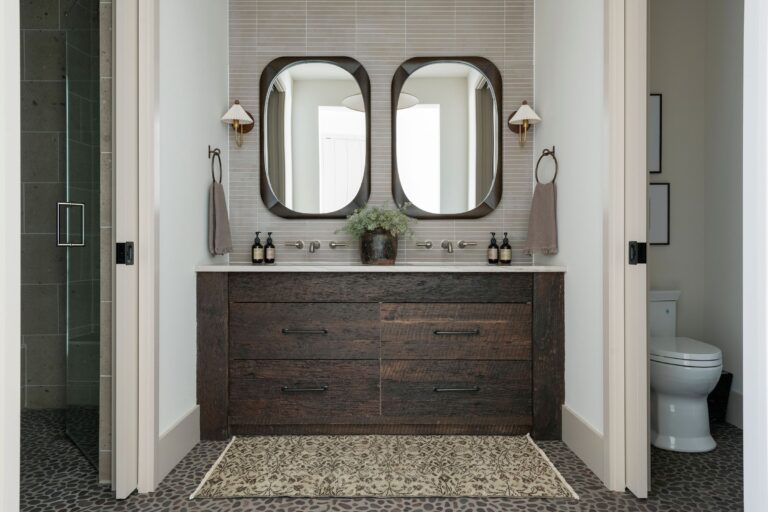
383	466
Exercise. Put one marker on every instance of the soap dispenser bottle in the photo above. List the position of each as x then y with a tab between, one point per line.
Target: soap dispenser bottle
257	250
493	250
269	250
505	252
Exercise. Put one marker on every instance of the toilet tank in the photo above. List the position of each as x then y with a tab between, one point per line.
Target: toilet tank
662	312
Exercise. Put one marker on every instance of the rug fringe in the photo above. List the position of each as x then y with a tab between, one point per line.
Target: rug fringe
210	471
552	466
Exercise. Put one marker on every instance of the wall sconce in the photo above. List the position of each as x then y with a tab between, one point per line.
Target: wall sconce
240	119
521	120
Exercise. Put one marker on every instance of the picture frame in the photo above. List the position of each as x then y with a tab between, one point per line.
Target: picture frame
654	134
658	214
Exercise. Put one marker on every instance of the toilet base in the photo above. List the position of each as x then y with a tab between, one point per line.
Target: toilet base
687	444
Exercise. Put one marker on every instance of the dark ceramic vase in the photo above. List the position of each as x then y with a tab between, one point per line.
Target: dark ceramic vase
378	247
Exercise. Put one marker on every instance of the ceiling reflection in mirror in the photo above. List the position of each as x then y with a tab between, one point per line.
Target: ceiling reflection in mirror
447	142
314	143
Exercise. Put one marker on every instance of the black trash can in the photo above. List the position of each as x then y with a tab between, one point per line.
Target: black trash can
718	398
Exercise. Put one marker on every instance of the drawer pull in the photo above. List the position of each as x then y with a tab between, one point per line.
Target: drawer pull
321	389
474	389
305	331
471	332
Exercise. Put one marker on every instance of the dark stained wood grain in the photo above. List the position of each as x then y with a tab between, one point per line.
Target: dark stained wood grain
256	331
256	393
381	287
212	357
502	428
503	331
407	389
548	356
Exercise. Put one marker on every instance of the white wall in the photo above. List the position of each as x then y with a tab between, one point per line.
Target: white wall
451	95
696	63
570	96
193	96
305	142
10	282
755	232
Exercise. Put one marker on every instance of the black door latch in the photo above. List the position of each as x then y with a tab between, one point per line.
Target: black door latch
124	253
638	253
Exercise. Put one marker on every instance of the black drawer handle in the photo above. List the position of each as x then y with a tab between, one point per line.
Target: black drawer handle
473	389
321	389
471	332
305	331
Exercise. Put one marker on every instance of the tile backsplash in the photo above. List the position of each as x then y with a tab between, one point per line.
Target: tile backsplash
381	35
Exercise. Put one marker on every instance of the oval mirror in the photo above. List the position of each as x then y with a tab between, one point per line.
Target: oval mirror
315	144
446	137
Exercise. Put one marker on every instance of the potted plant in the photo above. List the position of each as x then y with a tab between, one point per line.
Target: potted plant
378	229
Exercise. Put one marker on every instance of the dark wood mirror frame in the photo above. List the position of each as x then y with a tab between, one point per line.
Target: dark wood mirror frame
491	72
271	71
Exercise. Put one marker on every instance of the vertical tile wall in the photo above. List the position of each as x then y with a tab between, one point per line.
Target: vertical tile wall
381	35
43	174
106	241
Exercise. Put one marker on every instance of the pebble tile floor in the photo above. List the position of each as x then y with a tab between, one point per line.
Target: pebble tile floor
56	477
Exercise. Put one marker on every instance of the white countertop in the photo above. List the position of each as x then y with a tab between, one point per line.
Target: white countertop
400	267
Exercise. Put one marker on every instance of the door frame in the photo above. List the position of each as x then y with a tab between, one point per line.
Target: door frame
10	261
627	443
136	211
755	241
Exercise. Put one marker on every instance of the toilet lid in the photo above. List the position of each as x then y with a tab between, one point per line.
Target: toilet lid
686	349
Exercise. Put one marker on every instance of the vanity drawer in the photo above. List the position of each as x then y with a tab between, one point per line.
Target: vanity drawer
275	392
456	331
304	331
457	391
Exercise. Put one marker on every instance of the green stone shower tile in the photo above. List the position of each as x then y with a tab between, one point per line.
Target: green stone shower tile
44	55
39	157
46	360
40	206
37	14
42	262
43	106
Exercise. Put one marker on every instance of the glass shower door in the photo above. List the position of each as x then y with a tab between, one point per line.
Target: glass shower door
79	225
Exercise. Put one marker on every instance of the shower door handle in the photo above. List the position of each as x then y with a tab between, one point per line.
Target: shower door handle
70	206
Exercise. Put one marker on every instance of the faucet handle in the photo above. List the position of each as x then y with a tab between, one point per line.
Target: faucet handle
463	244
297	244
427	244
333	244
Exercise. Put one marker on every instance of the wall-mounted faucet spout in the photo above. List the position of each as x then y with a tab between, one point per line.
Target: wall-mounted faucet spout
313	246
447	245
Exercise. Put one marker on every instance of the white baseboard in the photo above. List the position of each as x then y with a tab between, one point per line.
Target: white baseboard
177	441
735	413
586	442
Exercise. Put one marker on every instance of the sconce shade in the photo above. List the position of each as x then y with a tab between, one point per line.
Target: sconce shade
355	102
237	115
523	114
406	101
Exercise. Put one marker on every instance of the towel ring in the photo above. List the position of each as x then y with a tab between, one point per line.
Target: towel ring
547	152
215	154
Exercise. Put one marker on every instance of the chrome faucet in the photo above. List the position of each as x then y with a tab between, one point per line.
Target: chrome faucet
447	245
313	246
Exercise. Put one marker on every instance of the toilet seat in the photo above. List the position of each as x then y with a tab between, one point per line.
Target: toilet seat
682	351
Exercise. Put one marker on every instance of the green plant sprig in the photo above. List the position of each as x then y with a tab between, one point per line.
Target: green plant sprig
371	218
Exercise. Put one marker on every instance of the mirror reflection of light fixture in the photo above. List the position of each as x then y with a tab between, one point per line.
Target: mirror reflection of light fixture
522	120
355	102
240	119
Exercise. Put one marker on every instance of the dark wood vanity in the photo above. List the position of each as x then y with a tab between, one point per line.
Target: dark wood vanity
401	352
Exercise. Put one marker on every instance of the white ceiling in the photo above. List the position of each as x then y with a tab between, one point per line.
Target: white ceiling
318	71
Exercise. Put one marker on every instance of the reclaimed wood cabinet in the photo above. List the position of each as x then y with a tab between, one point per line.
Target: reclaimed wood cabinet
385	352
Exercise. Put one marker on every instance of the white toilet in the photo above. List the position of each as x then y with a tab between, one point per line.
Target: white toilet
683	372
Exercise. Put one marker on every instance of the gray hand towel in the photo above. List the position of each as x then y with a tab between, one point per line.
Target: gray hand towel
542	224
219	235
